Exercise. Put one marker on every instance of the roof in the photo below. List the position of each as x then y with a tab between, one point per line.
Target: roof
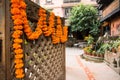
112	14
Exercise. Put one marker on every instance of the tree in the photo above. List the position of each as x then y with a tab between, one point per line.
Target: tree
84	18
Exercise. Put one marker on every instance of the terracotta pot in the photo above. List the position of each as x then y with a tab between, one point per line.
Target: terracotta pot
101	55
114	50
85	52
95	54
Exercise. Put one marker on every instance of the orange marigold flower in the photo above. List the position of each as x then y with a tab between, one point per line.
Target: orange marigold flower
18	51
16	45
28	33
26	26
16	17
17	61
18	22
44	18
18	32
18	40
23	13
19	71
18	27
19	56
44	29
22	4
27	30
15	11
15	5
15	1
15	35
20	76
58	21
25	21
20	65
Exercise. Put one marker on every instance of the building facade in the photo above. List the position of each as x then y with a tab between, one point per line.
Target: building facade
62	8
110	19
110	16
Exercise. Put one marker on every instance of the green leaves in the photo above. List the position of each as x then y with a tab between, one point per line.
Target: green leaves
83	18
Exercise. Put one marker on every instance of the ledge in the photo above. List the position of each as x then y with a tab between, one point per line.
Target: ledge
93	58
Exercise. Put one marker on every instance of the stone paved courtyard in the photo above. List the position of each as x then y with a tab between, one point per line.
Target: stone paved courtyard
80	69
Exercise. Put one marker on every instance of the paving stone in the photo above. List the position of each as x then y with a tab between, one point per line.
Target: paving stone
80	69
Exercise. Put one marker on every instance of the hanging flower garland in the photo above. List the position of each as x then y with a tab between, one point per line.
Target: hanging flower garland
19	17
48	27
60	34
57	33
27	29
17	41
64	35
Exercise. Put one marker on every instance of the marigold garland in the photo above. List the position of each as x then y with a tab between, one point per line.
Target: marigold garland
19	17
17	20
30	34
64	35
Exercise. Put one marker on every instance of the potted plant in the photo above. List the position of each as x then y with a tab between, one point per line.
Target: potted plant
89	51
115	45
94	53
103	48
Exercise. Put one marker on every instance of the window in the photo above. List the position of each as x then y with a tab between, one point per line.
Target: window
48	1
67	11
71	1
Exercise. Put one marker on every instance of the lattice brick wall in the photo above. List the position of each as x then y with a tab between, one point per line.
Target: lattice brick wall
43	60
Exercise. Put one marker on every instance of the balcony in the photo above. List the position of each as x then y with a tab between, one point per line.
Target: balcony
113	8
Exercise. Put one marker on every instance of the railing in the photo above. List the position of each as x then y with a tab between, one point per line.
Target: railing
113	6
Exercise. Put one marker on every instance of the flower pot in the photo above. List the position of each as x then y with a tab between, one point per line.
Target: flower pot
114	50
102	55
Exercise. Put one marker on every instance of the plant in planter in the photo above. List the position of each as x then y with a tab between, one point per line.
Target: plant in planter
101	50
94	53
85	50
89	39
88	50
115	45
